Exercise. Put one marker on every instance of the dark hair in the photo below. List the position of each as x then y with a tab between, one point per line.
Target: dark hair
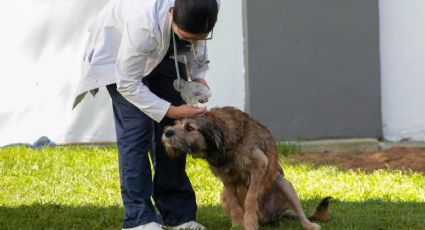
195	16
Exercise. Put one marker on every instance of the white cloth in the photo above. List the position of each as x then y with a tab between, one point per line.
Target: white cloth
128	39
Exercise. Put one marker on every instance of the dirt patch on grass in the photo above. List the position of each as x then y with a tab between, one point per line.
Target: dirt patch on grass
399	158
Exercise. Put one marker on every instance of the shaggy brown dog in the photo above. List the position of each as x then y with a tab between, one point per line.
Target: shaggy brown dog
243	154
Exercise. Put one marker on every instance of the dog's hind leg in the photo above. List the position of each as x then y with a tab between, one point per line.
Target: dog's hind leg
288	190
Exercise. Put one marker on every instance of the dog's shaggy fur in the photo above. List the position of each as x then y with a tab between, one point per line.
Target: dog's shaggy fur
243	154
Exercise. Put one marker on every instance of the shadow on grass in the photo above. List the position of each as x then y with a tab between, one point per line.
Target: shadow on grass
367	215
51	216
371	214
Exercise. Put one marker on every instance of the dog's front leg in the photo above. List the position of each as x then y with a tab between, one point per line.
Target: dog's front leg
259	163
232	205
288	190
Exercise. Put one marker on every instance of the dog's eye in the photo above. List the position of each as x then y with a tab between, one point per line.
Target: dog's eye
189	128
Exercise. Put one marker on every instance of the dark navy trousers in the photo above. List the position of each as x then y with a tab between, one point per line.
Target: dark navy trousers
137	134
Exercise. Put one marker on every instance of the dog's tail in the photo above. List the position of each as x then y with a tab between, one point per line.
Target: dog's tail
322	212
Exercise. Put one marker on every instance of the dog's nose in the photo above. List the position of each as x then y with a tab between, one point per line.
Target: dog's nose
169	133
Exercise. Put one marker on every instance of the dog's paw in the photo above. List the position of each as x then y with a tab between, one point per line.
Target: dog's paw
236	226
250	222
251	227
312	226
237	221
237	216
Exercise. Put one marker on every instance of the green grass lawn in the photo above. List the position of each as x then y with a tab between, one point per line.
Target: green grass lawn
78	188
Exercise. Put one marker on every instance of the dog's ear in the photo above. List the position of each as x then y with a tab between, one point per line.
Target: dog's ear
213	134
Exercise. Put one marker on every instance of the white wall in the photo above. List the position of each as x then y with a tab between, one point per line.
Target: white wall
40	58
402	32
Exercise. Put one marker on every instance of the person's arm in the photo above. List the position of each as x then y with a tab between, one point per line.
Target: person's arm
138	41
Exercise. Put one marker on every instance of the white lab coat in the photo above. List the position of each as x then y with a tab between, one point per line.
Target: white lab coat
128	39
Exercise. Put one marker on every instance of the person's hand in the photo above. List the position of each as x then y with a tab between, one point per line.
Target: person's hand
185	111
202	81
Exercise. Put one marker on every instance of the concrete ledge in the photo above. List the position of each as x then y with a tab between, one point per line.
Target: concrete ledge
338	145
353	145
407	144
341	145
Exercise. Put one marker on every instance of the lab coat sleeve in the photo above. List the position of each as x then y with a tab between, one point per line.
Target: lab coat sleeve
137	43
198	70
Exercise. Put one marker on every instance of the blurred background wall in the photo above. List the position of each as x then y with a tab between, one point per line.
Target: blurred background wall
40	57
307	69
402	32
314	67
